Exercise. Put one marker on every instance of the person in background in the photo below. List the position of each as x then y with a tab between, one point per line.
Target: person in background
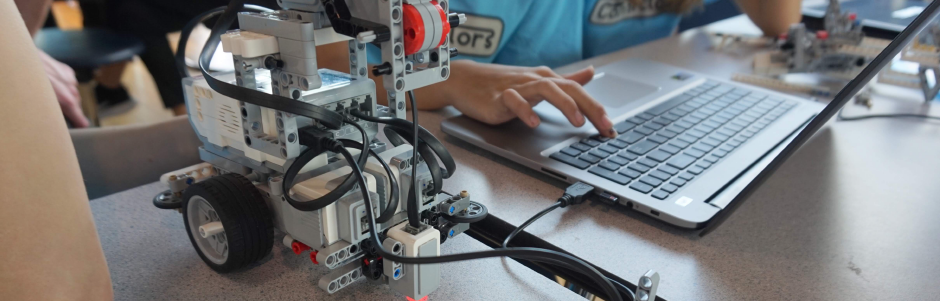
61	76
507	49
50	247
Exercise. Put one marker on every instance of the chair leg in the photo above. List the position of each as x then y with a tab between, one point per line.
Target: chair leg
86	90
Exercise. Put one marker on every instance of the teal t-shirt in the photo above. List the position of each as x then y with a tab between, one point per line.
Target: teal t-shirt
553	32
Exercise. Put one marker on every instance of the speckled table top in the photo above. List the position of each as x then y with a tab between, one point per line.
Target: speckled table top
853	215
150	258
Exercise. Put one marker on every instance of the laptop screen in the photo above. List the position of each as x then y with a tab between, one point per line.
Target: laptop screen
903	40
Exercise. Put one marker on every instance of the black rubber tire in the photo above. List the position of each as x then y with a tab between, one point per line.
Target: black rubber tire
245	216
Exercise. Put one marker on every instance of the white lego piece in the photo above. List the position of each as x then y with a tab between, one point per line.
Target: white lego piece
315	188
210	229
198	172
249	44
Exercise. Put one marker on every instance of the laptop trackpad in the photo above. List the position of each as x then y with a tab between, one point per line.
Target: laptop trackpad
614	91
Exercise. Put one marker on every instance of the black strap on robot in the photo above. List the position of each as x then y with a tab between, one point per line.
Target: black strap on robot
325	117
426	138
316	147
345	24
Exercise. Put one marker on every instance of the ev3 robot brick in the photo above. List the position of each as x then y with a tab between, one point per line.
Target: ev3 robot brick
265	165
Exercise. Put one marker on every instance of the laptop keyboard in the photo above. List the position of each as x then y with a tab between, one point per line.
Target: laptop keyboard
659	151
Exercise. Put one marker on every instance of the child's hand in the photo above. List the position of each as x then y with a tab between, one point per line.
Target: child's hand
495	94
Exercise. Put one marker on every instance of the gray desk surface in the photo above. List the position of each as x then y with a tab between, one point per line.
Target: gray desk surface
851	216
150	258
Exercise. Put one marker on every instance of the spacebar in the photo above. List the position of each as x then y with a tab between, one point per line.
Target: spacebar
726	170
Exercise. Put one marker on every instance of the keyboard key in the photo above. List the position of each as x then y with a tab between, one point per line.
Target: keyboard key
662	121
711	142
710	159
647	162
571	151
725	131
702	128
631	137
659	155
618	143
581	146
660	175
591	142
734	127
694	153
719	137
654	125
639	167
600	138
659	194
658	139
687	138
696	133
609	175
677	112
695	170
590	158
629	173
748	133
624	126
671	116
627	155
646	115
651	181
720	153
609	166
641	187
669	104
678	182
703	147
703	164
620	161
679	143
681	161
668	133
643	147
570	160
644	130
670	188
672	150
683	124
686	176
609	149
668	169
599	153
637	120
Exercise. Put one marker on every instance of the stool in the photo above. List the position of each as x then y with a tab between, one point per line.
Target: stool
85	50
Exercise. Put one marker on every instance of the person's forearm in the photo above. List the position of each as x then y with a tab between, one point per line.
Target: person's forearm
34	13
773	17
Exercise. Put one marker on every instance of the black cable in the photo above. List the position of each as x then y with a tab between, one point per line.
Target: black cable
530	221
533	254
426	138
314	150
389	210
415	202
841	117
574	194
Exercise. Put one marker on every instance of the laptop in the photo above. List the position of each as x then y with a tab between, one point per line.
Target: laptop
880	19
690	148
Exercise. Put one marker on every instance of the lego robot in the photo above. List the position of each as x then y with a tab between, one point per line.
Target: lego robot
841	50
262	170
